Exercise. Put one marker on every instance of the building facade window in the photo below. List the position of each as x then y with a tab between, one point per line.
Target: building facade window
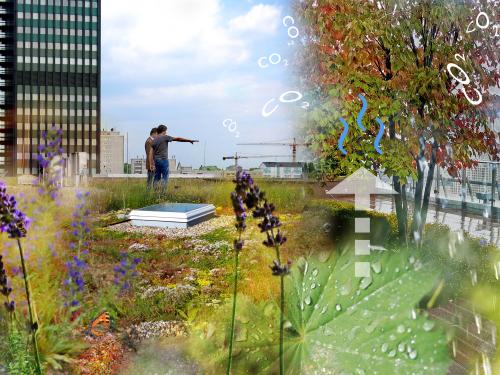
54	41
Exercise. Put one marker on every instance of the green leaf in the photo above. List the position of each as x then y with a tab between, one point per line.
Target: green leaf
367	325
337	323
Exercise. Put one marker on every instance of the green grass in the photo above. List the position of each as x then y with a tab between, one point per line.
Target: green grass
116	195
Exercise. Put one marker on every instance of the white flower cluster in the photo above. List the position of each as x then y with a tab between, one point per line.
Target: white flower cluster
203	247
176	296
138	247
146	330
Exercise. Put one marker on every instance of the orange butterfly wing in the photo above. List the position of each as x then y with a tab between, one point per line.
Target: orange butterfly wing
100	325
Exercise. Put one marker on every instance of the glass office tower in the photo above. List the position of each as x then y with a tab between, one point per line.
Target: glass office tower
49	74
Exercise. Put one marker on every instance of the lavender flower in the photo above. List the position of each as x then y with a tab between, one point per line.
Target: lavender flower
248	196
74	283
280	270
12	220
80	229
15	223
270	224
239	211
51	161
126	271
239	197
5	289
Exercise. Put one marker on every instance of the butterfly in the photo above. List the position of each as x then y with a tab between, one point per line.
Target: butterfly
100	325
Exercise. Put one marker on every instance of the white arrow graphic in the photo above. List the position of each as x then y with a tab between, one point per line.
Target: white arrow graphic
362	184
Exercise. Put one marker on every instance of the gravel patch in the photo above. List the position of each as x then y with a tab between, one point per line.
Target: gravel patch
160	357
174	233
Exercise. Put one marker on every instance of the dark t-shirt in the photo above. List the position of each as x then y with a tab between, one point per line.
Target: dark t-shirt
160	146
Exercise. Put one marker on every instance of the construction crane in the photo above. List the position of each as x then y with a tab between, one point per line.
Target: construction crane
237	157
293	145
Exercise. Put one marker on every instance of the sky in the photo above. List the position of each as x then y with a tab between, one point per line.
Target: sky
193	65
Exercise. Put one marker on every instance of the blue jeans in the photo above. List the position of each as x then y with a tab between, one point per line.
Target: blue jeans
161	173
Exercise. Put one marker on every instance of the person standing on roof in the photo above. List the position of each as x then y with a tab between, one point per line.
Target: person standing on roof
160	153
150	163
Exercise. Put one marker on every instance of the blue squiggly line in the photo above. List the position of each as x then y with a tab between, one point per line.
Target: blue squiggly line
379	135
344	134
363	111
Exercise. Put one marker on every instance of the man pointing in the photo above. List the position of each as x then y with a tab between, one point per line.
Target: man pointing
160	153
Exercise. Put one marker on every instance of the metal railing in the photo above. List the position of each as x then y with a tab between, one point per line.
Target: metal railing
476	189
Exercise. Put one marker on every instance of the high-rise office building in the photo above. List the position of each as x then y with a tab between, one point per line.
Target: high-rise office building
49	74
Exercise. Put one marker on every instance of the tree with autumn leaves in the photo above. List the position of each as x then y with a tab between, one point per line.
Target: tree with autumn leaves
397	54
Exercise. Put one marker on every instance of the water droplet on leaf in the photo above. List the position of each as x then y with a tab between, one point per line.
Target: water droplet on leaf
377	267
365	282
428	325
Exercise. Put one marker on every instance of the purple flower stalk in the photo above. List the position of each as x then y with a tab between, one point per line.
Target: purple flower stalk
50	159
126	271
79	226
270	225
12	220
239	198
5	289
250	194
75	283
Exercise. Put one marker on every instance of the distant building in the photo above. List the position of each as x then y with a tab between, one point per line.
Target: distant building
282	170
209	168
138	166
172	164
112	148
184	169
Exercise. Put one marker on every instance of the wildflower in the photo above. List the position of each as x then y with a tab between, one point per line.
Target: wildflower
239	198
12	220
75	282
243	182
51	161
125	271
5	289
280	270
79	225
255	199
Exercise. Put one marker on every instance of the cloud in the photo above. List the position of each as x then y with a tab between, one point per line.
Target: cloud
160	36
260	19
222	90
188	63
